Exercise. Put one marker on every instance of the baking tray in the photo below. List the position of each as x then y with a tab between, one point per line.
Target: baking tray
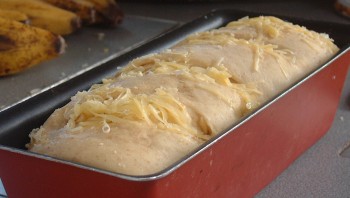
89	47
236	163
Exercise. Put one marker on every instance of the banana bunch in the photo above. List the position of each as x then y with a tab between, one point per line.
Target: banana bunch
30	29
105	12
22	46
63	17
44	15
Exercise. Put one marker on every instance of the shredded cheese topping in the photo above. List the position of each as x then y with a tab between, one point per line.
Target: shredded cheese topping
105	104
217	74
259	48
272	26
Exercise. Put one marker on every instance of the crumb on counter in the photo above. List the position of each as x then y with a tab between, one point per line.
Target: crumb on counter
34	91
100	36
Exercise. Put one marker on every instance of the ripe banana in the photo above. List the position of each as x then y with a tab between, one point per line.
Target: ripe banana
44	15
22	46
14	15
108	12
84	9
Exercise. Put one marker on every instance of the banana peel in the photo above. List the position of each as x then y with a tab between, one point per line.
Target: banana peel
14	15
23	46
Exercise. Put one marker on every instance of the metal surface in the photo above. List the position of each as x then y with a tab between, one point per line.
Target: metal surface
87	48
200	167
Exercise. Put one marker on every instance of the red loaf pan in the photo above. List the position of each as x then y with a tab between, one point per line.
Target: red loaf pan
237	163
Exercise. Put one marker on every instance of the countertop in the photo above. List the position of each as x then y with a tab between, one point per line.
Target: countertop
321	171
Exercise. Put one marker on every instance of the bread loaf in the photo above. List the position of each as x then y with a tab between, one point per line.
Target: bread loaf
162	106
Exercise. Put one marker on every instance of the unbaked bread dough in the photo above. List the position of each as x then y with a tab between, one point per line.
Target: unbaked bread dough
162	106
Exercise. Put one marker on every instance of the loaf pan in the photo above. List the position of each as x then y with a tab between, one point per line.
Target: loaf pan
238	162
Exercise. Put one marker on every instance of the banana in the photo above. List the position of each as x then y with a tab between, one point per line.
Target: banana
14	15
44	15
23	46
108	12
84	9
